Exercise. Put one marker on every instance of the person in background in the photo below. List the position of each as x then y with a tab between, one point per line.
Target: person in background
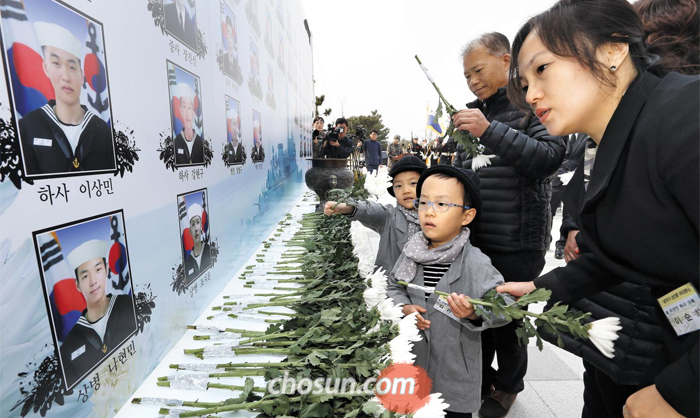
340	146
394	150
317	144
417	150
373	152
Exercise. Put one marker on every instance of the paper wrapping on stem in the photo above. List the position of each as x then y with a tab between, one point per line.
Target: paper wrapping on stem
426	289
175	413
161	401
208	328
259	265
220	350
427	74
225	336
265	285
253	299
198	367
250	318
189	381
264	280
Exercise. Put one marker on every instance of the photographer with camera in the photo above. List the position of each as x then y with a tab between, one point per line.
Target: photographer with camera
336	144
373	152
317	135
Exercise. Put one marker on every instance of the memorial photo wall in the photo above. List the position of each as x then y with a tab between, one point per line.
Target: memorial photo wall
148	147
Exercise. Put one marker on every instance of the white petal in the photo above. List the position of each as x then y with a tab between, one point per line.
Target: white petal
481	160
389	311
603	334
566	177
434	409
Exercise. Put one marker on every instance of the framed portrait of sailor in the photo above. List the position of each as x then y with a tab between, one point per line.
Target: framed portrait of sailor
234	149
56	73
193	214
258	152
86	278
181	21
229	35
186	116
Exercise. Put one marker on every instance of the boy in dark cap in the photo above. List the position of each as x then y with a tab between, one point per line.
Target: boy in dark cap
395	225
442	258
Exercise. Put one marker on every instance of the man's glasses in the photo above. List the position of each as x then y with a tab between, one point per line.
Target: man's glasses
422	205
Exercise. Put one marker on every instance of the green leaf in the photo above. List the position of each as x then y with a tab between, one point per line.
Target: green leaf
370	407
316	410
438	112
537	295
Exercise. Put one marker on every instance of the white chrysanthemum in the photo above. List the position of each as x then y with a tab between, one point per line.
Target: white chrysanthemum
408	329
373	297
434	409
377	184
401	351
379	279
390	312
481	160
365	266
603	334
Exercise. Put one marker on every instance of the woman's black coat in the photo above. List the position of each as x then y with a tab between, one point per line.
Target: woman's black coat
639	223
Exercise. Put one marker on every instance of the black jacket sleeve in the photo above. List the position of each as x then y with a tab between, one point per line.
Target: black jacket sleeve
532	153
678	384
457	161
345	148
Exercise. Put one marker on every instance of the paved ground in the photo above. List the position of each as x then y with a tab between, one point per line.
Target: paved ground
553	384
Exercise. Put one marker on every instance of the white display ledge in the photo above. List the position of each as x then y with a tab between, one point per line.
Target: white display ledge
150	389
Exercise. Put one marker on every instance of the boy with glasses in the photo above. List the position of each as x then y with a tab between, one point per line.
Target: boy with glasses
442	258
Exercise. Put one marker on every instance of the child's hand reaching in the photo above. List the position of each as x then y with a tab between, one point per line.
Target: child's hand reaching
342	208
460	307
421	323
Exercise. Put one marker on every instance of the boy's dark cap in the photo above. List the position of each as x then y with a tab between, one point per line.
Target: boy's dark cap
406	163
468	178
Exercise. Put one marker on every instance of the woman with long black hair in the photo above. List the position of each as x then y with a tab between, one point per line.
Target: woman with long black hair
583	66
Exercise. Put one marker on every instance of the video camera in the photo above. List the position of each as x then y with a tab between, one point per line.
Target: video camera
330	134
360	132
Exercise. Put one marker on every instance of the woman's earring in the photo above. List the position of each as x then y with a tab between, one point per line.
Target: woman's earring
613	68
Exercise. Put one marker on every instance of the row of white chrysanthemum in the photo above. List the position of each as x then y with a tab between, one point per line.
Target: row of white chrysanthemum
375	295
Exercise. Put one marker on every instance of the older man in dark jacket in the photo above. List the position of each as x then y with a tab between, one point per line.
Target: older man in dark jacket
514	228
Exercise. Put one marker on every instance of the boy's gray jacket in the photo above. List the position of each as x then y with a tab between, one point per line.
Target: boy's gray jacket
392	226
450	350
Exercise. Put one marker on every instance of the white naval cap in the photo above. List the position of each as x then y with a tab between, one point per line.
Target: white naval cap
51	34
88	250
194	210
184	90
